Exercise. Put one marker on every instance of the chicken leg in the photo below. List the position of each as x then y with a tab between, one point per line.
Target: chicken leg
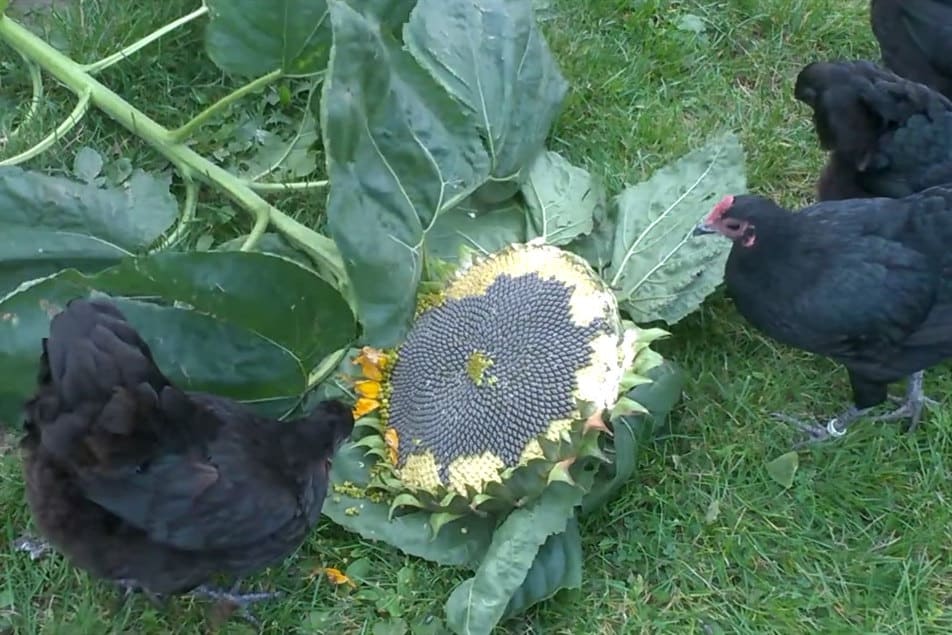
911	409
36	547
816	432
912	405
242	601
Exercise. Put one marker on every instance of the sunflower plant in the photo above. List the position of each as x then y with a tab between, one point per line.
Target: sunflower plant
494	316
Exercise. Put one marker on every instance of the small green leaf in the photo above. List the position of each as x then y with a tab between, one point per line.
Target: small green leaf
460	543
658	270
399	152
784	468
557	566
562	199
478	603
392	626
87	164
51	223
491	56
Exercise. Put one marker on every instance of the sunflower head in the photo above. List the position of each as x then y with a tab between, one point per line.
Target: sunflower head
504	383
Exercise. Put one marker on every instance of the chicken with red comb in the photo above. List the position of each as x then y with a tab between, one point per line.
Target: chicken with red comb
865	282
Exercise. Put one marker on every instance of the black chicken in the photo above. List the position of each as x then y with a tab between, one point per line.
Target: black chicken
915	39
157	489
865	282
887	136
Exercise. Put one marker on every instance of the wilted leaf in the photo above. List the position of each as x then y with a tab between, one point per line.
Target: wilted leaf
459	543
658	271
557	566
87	164
491	55
692	23
399	151
562	198
784	468
479	229
478	603
51	223
225	341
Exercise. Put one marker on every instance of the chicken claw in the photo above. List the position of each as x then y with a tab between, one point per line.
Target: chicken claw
241	601
816	432
911	407
36	547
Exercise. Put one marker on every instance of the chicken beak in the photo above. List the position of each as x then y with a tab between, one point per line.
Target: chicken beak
702	229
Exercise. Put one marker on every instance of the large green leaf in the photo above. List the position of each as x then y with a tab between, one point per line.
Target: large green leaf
399	151
557	566
459	543
252	37
562	198
477	228
51	223
270	295
492	57
478	603
631	433
658	272
218	336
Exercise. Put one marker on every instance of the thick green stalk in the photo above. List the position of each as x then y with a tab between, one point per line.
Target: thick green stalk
77	79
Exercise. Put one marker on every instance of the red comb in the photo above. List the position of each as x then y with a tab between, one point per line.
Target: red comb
722	206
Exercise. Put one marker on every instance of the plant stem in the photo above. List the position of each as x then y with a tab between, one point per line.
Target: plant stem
36	78
75	77
280	187
133	48
186	215
184	132
68	124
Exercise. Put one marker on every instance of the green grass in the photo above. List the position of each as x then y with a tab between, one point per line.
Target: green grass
704	542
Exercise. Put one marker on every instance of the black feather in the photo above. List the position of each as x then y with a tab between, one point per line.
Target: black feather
133	478
887	136
864	281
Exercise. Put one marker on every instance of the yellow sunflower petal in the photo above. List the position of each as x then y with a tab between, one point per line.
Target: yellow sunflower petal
372	362
338	577
393	443
364	406
368	388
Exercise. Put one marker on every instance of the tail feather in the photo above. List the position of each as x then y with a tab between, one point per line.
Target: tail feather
92	350
98	400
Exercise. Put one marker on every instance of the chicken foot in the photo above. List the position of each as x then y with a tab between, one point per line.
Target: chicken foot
36	547
912	405
241	601
130	587
816	432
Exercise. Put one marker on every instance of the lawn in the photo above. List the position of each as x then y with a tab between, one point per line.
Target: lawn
704	541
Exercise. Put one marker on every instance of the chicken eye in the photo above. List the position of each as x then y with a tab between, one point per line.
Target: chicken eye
733	225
